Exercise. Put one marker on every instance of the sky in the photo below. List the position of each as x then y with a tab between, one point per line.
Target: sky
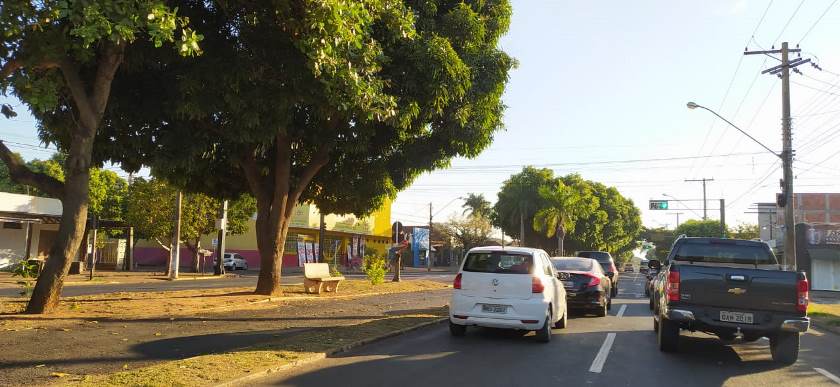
601	90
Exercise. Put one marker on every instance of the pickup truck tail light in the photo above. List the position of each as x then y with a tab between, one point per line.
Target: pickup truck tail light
802	298
673	286
457	283
537	285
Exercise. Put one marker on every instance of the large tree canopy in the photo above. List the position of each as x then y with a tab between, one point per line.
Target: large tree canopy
338	103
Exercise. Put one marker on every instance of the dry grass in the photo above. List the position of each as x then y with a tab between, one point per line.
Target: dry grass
135	305
215	368
828	314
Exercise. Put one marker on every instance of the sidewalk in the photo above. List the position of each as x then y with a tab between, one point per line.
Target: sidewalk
89	340
116	277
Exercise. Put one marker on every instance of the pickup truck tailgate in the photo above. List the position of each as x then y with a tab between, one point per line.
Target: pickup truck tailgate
738	288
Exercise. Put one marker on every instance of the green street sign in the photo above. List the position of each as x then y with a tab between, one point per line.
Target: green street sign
658	204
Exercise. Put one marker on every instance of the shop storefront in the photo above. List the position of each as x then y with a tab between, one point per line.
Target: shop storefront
818	254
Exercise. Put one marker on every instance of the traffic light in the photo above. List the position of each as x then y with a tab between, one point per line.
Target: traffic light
658	205
781	198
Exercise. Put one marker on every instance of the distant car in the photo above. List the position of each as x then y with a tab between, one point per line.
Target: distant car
628	267
509	288
234	261
587	287
607	264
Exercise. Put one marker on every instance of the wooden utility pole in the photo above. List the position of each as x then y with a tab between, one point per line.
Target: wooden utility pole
176	240
429	251
722	218
93	250
704	180
219	267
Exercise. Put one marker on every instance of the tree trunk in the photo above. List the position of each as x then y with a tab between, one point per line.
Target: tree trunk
271	243
71	230
561	235
397	268
195	249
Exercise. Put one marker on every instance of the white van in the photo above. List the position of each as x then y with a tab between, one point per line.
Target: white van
507	287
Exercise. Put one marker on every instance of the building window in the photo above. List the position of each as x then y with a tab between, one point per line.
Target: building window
13	225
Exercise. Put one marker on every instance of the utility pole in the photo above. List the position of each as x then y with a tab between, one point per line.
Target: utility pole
722	218
93	250
678	216
783	71
322	229
176	240
429	251
219	267
703	180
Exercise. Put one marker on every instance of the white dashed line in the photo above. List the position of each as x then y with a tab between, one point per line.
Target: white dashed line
825	373
621	311
601	358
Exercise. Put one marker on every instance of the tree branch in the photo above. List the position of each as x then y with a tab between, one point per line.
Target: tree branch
10	67
21	174
282	175
163	245
248	163
319	160
111	59
83	102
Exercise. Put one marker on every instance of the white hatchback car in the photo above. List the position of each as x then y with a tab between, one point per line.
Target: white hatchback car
508	287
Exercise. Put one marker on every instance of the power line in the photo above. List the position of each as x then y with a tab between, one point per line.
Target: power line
788	21
817	21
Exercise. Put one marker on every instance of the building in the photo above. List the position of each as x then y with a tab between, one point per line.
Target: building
346	239
29	226
807	208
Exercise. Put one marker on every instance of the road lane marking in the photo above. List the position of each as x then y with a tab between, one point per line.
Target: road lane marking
621	311
601	358
829	375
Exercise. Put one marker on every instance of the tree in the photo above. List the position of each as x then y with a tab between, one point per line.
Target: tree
469	232
518	200
745	231
152	204
564	205
59	58
337	103
699	228
477	205
613	226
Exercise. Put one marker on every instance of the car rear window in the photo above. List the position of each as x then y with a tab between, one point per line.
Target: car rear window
572	264
725	253
499	262
599	255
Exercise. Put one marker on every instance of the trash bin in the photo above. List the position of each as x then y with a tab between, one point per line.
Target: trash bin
76	267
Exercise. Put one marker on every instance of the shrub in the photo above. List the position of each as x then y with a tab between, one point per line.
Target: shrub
26	270
374	267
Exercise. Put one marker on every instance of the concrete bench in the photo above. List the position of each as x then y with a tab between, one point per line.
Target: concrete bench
317	277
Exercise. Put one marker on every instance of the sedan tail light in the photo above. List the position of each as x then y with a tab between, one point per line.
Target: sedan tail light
802	297
537	285
673	287
593	281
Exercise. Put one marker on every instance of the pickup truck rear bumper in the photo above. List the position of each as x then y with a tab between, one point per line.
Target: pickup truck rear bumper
702	319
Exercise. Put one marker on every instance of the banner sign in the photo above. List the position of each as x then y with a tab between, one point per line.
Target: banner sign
301	251
823	234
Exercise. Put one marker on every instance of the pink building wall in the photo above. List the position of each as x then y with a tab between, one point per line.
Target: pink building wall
156	256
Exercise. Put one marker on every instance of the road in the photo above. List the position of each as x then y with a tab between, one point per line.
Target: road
617	350
248	279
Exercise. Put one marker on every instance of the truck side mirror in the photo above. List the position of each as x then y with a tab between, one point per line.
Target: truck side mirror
654	264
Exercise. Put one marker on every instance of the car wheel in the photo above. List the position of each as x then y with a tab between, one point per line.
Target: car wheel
457	330
650	302
564	321
614	290
655	325
669	335
784	347
544	333
246	267
602	310
609	303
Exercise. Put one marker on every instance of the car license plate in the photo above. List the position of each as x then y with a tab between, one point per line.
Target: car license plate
568	284
492	308
736	317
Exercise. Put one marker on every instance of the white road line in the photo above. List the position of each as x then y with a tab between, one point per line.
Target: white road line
825	373
601	357
621	311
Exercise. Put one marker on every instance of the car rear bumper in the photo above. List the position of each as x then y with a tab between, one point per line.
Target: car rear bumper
585	299
706	319
520	314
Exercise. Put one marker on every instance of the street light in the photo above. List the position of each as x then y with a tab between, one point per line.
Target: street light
681	202
692	105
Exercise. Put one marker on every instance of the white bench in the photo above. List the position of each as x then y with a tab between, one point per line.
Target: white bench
317	277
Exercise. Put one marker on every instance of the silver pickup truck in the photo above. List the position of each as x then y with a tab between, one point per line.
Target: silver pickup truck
729	288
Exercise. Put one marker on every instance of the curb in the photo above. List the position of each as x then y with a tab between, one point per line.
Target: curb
320	356
825	327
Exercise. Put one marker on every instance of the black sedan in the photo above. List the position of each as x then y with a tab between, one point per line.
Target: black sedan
587	287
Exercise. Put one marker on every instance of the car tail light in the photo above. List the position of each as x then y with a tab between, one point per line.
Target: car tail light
802	298
457	283
537	285
673	289
613	268
593	281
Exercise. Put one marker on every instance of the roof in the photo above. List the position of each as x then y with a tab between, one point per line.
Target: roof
729	241
529	250
29	205
569	258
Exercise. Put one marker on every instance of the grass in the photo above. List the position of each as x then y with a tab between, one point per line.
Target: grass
215	368
828	314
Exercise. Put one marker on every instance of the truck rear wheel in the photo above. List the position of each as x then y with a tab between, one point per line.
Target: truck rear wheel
668	335
784	347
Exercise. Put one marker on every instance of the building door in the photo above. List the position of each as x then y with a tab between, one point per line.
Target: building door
45	241
826	274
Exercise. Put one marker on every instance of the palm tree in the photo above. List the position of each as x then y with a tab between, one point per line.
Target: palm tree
565	204
476	205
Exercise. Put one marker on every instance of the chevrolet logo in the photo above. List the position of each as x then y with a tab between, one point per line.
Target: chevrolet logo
737	291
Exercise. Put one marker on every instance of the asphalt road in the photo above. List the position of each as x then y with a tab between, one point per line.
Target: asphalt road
617	350
248	279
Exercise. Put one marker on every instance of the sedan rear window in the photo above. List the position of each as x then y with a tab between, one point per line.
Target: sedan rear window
572	264
725	253
499	262
599	255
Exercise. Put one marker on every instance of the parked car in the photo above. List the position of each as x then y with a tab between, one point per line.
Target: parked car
649	276
607	264
586	284
729	287
234	261
507	287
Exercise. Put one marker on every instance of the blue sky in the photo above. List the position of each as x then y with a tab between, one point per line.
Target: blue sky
608	81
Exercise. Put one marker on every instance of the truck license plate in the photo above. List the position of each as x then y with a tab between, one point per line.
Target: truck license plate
736	317
493	308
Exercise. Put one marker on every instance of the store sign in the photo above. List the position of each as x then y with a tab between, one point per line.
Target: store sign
823	234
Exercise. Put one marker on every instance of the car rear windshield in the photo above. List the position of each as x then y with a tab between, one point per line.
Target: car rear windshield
599	255
572	264
499	262
725	253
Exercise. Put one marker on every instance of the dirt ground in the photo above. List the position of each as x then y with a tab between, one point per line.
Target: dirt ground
107	333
